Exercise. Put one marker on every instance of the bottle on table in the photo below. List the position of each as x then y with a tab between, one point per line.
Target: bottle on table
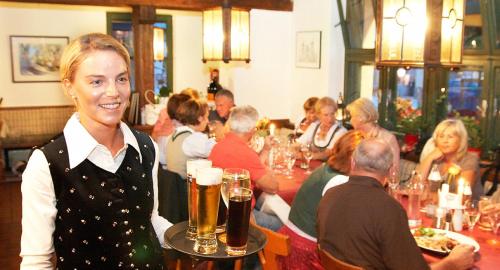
214	85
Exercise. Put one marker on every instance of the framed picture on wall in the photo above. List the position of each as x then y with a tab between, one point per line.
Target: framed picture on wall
308	49
36	58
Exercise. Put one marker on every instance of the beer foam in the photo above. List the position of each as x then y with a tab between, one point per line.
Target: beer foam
194	164
209	176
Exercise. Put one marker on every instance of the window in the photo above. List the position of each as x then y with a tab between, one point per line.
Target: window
464	94
473	29
120	27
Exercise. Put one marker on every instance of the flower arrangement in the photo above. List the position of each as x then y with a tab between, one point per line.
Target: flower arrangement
263	127
409	119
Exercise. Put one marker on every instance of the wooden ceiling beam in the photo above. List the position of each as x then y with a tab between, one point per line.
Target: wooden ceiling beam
279	5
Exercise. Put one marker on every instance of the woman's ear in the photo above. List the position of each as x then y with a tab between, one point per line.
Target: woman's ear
68	88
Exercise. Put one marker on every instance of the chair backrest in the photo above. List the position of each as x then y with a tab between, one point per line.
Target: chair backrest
277	245
331	263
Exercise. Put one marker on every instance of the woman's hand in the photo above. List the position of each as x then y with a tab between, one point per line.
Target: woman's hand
436	154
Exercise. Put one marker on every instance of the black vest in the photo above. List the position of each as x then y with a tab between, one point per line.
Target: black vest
104	219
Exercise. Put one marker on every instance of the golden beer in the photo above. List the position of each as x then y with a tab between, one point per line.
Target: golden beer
208	193
192	167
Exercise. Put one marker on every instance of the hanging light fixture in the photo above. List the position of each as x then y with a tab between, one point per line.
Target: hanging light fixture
418	32
226	34
158	44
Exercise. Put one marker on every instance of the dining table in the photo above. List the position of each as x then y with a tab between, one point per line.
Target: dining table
289	185
487	258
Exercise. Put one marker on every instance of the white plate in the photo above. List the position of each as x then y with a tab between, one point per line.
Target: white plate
460	238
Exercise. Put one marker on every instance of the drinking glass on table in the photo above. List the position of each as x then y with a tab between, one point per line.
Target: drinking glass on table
308	155
393	182
289	162
472	214
192	167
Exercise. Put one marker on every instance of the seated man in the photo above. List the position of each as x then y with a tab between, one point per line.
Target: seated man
359	223
224	101
233	151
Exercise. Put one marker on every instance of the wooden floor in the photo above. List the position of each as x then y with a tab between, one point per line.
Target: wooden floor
10	224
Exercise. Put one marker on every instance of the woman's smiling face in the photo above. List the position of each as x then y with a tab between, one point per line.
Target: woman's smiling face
101	89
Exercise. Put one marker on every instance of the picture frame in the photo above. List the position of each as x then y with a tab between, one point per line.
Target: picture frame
308	49
36	58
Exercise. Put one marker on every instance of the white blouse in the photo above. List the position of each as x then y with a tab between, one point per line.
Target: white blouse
39	200
309	137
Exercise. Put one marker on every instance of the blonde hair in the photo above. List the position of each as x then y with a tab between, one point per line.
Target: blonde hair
363	107
193	93
78	50
457	127
325	102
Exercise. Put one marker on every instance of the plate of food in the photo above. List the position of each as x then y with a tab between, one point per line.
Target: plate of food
441	241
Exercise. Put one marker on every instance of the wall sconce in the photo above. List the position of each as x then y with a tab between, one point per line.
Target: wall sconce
403	38
226	34
158	44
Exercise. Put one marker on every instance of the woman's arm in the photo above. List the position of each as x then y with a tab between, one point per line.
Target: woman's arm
160	224
425	164
39	213
198	145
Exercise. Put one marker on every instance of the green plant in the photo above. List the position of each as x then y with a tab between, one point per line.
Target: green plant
409	120
473	131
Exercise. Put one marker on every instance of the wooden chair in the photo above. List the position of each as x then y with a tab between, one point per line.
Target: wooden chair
277	245
331	263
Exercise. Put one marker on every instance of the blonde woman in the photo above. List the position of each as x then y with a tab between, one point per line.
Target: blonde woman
323	133
447	148
364	117
90	196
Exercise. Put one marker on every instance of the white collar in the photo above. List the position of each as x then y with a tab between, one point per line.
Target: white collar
184	128
80	143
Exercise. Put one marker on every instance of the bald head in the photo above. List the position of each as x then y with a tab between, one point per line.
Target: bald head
373	156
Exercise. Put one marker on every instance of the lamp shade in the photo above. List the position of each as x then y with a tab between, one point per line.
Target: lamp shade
226	35
452	28
404	38
158	44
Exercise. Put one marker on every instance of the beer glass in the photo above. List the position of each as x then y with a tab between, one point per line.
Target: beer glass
240	200
230	178
208	182
192	166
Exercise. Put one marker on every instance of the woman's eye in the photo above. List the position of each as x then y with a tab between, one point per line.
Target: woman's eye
96	82
123	79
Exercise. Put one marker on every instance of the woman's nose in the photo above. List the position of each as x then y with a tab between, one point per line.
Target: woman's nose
111	90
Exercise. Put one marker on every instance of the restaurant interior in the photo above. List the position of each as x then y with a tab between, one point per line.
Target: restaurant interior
441	59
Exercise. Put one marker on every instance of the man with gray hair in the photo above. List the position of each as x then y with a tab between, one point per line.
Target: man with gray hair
233	151
359	223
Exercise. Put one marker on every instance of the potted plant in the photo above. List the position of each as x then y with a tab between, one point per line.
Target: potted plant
474	132
409	121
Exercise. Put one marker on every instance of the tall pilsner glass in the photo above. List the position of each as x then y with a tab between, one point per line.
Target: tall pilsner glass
230	178
240	201
208	182
192	166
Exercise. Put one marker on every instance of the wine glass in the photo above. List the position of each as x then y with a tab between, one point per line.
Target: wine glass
308	155
494	221
212	126
393	181
472	214
289	162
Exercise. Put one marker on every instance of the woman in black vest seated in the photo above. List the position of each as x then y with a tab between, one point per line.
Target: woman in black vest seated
323	134
90	195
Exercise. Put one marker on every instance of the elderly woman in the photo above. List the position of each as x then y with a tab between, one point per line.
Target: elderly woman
364	117
188	141
323	133
448	148
309	118
301	226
